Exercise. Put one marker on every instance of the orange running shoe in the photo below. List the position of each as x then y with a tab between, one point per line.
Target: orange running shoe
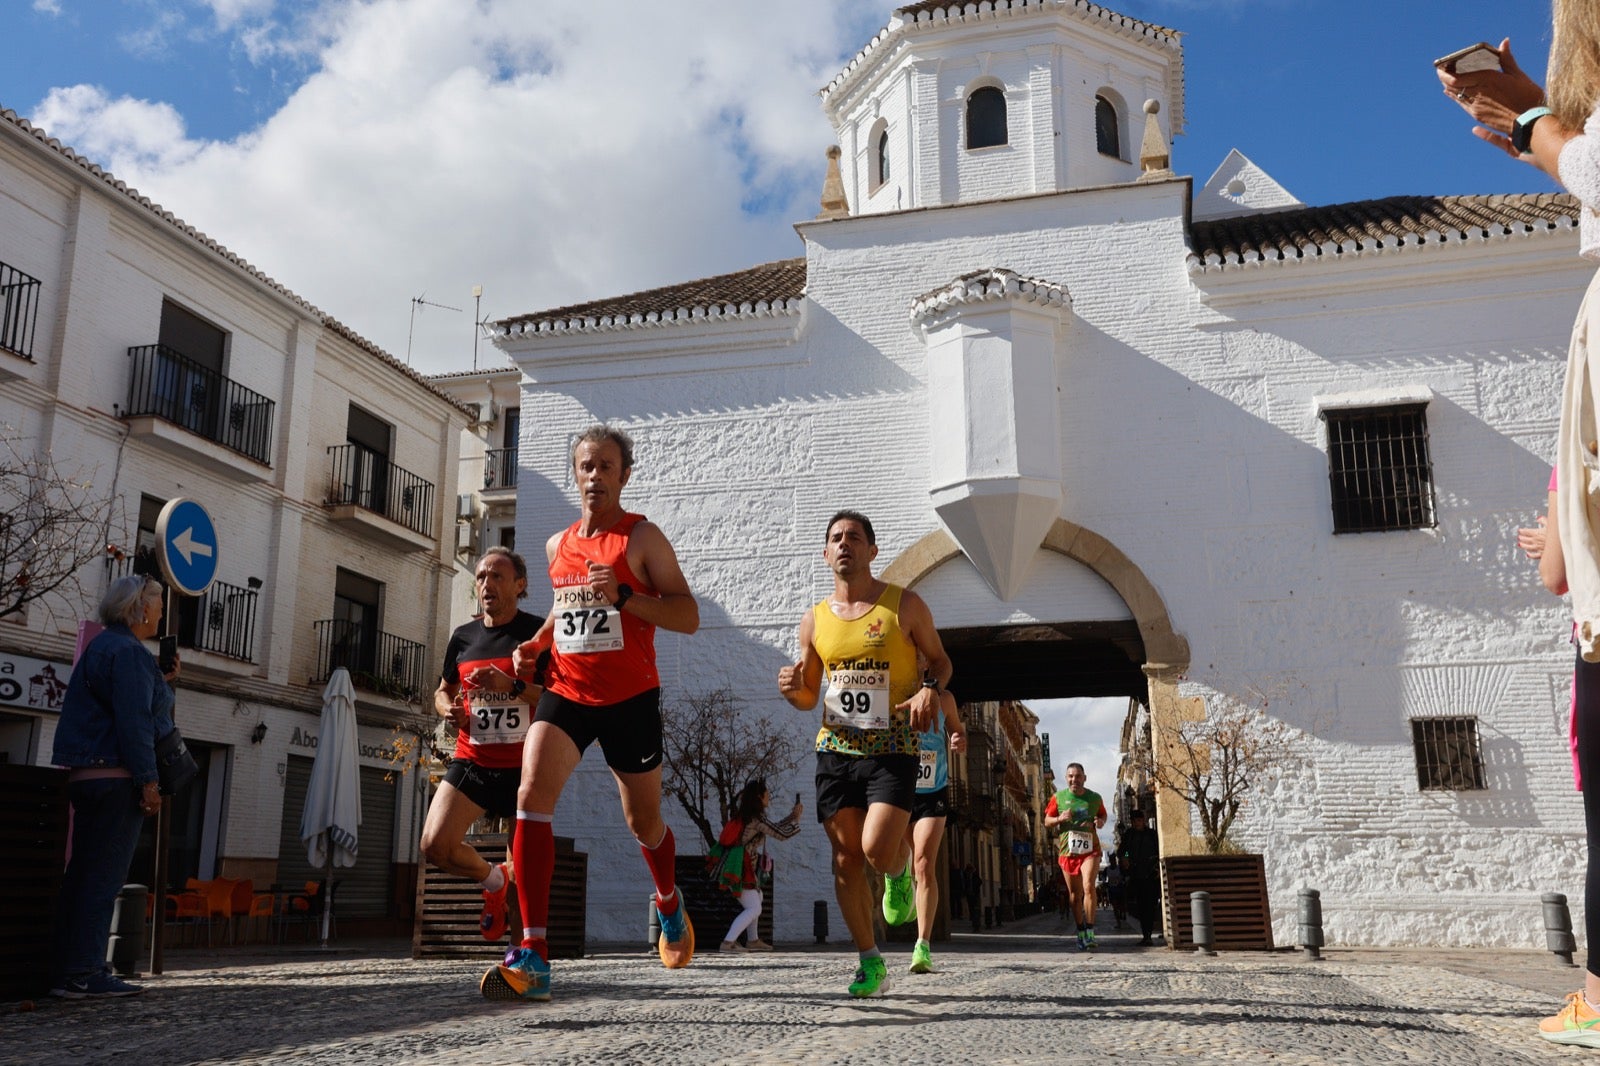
1576	1023
676	945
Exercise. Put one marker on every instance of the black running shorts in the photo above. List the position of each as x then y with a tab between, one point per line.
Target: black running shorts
493	789
629	732
935	804
858	781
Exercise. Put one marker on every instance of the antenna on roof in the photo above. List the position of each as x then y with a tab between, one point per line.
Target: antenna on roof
477	321
416	302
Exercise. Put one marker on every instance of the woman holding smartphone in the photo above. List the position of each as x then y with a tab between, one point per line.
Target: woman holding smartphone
1559	133
740	848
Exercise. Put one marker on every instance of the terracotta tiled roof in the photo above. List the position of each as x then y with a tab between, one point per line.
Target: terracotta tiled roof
11	118
1373	226
769	289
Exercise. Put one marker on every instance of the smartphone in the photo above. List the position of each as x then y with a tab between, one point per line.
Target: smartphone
1473	58
168	658
797	799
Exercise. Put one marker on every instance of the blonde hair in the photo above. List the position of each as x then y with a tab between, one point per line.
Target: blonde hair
1574	72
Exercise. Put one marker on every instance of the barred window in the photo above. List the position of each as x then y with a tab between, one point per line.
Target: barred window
1379	471
1448	755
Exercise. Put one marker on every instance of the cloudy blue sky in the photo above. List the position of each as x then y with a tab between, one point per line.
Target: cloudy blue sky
369	152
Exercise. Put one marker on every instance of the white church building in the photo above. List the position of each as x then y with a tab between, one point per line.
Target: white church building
1198	446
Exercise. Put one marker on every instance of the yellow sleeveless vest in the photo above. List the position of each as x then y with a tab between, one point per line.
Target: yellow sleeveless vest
871	666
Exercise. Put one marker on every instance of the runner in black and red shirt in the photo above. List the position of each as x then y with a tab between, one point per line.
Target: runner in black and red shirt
491	708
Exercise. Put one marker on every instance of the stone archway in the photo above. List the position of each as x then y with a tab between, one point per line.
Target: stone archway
1166	650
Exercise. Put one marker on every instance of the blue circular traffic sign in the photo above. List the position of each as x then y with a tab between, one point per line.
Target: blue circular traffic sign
188	541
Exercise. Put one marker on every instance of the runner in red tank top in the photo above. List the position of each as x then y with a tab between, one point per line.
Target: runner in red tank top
491	708
616	579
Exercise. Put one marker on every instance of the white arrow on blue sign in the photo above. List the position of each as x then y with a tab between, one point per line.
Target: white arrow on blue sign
188	540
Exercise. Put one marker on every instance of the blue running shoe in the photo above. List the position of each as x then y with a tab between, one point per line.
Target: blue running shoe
524	975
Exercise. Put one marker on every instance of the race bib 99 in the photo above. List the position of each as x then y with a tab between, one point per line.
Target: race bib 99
857	699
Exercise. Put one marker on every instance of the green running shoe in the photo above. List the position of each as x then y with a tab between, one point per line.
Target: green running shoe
899	898
921	959
872	978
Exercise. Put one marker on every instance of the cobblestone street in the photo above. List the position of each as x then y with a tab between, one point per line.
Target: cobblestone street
1019	995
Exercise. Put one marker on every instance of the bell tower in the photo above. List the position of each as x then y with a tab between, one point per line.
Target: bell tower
958	101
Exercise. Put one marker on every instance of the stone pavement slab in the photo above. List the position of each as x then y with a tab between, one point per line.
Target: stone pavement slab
1016	997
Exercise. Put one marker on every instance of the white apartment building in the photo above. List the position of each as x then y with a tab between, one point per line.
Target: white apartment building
1194	444
144	358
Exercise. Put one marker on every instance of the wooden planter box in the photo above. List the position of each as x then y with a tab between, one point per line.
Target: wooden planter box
33	840
713	909
1240	916
448	907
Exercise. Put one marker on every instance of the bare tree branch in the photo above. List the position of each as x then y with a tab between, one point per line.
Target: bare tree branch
1215	763
52	524
713	746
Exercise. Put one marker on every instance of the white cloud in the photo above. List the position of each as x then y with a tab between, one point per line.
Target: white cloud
229	13
550	152
47	7
133	138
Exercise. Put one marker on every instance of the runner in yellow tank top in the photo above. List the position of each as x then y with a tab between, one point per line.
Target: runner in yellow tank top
871	666
867	636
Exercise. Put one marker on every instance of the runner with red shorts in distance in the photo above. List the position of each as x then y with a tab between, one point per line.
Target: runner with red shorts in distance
1076	814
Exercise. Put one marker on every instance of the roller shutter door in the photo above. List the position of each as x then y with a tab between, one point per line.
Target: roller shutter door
365	889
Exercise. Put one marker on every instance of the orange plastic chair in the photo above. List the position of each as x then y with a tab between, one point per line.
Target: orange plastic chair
189	907
219	904
304	907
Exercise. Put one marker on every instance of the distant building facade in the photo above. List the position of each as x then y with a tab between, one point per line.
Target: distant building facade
146	359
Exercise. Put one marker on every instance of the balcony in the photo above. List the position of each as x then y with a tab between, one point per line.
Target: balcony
221	622
378	662
173	400
370	493
499	471
19	311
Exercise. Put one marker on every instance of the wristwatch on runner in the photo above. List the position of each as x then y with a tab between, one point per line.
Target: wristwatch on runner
624	591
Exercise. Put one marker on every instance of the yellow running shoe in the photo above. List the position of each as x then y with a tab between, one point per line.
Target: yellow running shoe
1576	1023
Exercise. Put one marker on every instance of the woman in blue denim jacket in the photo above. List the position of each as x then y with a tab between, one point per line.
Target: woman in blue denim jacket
116	706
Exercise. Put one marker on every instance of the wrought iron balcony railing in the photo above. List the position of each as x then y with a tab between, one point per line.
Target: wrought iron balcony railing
181	391
500	468
378	662
19	310
367	479
222	622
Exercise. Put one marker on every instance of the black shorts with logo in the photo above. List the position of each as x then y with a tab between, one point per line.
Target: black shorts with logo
492	788
858	781
629	732
935	804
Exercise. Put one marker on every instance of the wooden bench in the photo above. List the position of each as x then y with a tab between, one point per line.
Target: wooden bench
1241	919
449	907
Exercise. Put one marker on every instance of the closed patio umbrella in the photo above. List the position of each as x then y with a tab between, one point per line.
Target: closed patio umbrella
330	824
